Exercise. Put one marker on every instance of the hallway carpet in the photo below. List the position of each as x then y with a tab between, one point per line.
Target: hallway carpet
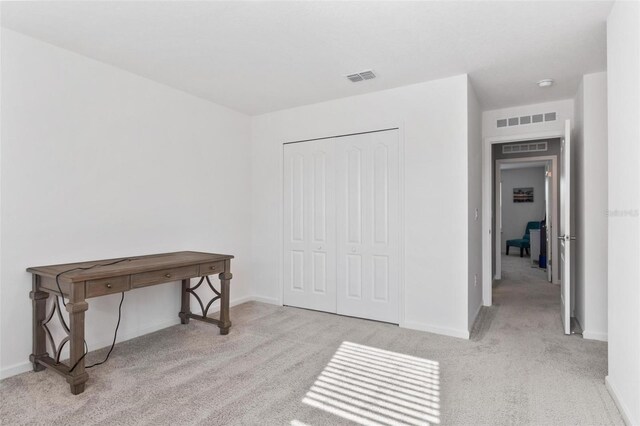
287	366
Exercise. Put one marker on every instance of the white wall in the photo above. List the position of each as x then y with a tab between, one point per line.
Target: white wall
99	163
432	118
578	201
623	75
474	241
590	153
516	215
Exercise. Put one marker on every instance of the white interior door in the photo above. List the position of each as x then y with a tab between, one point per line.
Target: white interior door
565	229
548	182
309	225
498	232
367	221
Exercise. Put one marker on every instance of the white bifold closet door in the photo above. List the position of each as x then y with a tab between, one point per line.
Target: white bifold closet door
341	225
309	225
367	225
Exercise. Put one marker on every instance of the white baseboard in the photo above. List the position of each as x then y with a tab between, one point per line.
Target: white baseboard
269	300
15	369
215	307
595	335
624	410
25	366
462	334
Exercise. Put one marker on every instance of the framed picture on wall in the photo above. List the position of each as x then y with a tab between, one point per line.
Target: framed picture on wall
523	195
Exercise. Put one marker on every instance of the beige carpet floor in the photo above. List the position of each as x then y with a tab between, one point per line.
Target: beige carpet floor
287	366
516	268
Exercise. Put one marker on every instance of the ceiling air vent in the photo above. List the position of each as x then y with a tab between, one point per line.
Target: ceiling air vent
524	147
367	75
363	75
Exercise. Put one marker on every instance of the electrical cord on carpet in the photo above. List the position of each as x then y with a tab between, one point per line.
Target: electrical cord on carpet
115	334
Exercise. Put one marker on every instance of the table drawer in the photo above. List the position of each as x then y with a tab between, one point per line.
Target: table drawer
94	288
211	268
163	276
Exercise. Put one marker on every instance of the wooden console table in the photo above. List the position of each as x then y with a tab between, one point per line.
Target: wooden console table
81	281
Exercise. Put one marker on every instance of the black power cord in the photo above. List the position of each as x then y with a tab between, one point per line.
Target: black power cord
115	334
113	344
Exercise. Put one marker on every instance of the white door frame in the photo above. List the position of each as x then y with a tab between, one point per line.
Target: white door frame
554	199
401	201
487	205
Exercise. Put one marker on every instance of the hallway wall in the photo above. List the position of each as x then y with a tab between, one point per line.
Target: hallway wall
590	201
623	61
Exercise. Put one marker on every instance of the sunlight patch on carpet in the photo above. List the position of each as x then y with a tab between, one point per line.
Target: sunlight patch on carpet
372	387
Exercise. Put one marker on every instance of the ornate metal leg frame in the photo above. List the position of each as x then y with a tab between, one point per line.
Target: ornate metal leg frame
223	295
76	376
57	349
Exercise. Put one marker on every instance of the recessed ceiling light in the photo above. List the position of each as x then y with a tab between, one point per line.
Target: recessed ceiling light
546	82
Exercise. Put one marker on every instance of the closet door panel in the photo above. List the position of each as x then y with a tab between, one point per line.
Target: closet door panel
367	224
309	225
381	278
354	277
354	194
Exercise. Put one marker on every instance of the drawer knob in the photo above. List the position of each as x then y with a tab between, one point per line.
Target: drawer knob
167	275
213	268
109	285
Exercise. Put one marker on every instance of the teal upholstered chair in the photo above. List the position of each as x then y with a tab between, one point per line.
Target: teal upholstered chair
523	243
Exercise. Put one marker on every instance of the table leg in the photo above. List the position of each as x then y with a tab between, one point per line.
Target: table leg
39	308
186	299
225	284
78	377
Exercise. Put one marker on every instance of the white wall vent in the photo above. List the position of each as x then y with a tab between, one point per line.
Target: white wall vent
527	119
360	76
524	147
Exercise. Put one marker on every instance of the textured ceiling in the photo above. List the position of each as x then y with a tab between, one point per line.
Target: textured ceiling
257	57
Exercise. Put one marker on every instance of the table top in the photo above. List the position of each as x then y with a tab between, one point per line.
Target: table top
106	268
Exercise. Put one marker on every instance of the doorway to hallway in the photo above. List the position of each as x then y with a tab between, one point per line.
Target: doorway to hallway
528	184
